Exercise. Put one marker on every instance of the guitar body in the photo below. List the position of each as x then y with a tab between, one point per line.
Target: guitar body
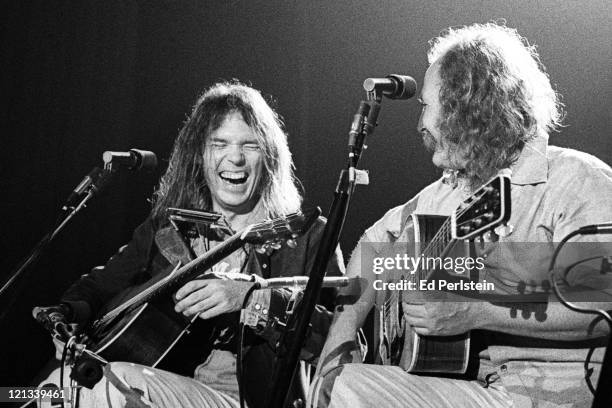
437	237
154	335
401	345
140	325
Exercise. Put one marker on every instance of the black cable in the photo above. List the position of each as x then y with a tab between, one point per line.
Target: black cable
77	397
239	370
571	306
558	293
589	371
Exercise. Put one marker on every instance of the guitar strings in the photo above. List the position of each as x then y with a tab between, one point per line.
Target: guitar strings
438	242
390	327
435	241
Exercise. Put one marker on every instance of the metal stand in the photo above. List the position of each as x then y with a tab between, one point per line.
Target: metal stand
291	342
91	185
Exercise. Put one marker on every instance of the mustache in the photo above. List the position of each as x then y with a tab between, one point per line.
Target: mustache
429	141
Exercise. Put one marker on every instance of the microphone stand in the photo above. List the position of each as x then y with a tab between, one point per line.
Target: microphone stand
292	339
91	185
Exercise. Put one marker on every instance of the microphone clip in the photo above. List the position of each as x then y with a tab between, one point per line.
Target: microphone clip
93	183
134	159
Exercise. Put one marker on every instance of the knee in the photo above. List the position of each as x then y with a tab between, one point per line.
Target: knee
54	378
120	379
52	383
121	375
321	388
126	370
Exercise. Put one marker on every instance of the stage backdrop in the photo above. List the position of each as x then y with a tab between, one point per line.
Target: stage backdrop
79	78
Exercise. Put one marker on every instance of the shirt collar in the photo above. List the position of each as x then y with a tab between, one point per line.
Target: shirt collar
532	165
530	168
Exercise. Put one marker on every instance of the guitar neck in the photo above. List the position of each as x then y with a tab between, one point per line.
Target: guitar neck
182	275
198	266
438	246
267	233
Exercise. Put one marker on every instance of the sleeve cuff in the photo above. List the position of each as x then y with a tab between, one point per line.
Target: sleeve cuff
256	313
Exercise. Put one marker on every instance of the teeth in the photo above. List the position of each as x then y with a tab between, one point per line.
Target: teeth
233	175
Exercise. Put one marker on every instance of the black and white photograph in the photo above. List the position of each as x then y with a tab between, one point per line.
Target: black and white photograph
306	204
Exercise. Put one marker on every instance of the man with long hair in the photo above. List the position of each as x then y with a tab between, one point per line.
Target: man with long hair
487	105
231	158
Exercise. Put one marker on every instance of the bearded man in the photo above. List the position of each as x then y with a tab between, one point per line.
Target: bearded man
487	106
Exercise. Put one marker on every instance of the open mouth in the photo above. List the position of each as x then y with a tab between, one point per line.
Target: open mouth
234	177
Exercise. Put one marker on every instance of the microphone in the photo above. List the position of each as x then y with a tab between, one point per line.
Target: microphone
604	228
300	282
135	159
53	318
392	86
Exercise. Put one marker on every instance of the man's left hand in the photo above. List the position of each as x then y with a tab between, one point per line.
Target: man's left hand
211	297
445	318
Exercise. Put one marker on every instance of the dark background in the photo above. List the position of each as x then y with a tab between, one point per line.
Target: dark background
79	78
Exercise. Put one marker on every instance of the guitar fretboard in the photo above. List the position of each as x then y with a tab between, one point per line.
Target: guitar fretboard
438	247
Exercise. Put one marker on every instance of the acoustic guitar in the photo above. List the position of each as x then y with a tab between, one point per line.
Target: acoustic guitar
140	324
435	237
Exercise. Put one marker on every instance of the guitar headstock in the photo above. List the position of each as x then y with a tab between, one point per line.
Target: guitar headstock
270	234
487	208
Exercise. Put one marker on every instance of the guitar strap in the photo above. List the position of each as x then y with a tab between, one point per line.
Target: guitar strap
172	246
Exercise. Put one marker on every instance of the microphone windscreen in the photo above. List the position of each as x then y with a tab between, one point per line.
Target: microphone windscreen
406	89
146	160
